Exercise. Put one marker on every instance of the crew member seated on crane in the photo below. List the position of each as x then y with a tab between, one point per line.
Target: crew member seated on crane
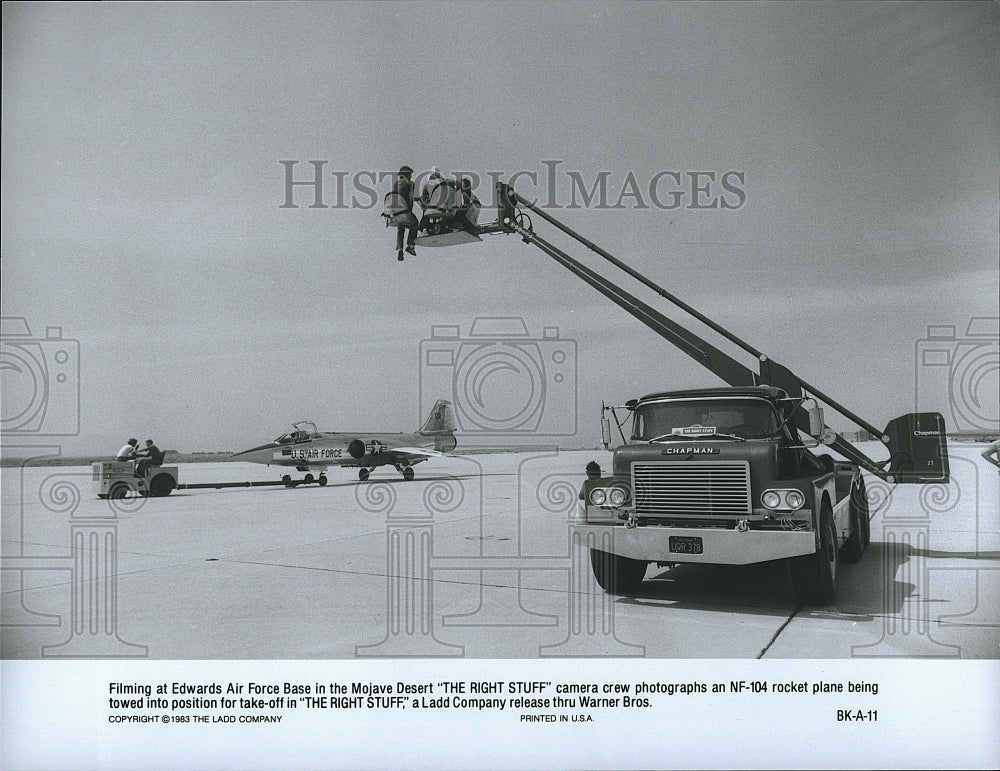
398	212
434	180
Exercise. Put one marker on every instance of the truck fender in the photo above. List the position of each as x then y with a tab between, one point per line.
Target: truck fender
824	489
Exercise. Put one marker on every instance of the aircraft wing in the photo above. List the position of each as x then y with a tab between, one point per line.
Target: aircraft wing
413	454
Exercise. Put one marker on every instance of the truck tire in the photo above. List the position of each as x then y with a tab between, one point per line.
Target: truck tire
854	547
816	577
617	575
118	491
161	485
865	513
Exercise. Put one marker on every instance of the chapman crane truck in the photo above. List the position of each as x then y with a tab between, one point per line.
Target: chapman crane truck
726	475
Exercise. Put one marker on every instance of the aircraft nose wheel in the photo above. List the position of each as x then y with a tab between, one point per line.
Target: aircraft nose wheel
408	474
363	474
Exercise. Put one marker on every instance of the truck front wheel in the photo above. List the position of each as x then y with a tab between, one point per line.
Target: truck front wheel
854	547
816	577
617	575
866	524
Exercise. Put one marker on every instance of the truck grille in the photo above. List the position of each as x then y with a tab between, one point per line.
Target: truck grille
692	488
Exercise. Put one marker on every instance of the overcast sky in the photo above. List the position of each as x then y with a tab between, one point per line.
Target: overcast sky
143	192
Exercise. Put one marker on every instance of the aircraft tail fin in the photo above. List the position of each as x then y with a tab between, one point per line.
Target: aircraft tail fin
440	421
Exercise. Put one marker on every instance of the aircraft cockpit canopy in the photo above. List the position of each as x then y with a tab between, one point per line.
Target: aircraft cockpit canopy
304	431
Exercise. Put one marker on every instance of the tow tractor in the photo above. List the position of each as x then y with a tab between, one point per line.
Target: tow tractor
728	474
117	479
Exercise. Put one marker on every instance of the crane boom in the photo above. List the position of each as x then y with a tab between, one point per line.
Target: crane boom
917	443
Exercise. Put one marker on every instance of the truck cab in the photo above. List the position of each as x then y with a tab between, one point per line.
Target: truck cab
721	476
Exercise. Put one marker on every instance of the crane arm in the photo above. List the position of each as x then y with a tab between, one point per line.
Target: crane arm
916	442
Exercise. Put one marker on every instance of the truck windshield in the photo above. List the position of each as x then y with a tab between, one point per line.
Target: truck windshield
687	419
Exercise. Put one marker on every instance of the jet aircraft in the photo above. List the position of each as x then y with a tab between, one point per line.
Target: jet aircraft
307	449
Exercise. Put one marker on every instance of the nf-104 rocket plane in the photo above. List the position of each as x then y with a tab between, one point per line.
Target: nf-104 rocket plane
307	450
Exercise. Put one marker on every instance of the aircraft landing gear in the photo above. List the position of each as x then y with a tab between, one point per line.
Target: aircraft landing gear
406	471
308	479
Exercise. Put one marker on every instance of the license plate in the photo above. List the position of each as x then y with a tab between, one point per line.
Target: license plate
685	544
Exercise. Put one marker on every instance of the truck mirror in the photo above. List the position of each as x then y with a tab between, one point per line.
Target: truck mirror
816	424
606	433
918	448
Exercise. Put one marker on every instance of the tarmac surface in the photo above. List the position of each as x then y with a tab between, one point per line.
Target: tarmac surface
471	559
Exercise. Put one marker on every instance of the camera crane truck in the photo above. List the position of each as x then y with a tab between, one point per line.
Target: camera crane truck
722	475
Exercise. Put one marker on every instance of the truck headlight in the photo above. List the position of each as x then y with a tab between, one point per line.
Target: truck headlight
794	499
598	496
617	495
783	500
771	499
